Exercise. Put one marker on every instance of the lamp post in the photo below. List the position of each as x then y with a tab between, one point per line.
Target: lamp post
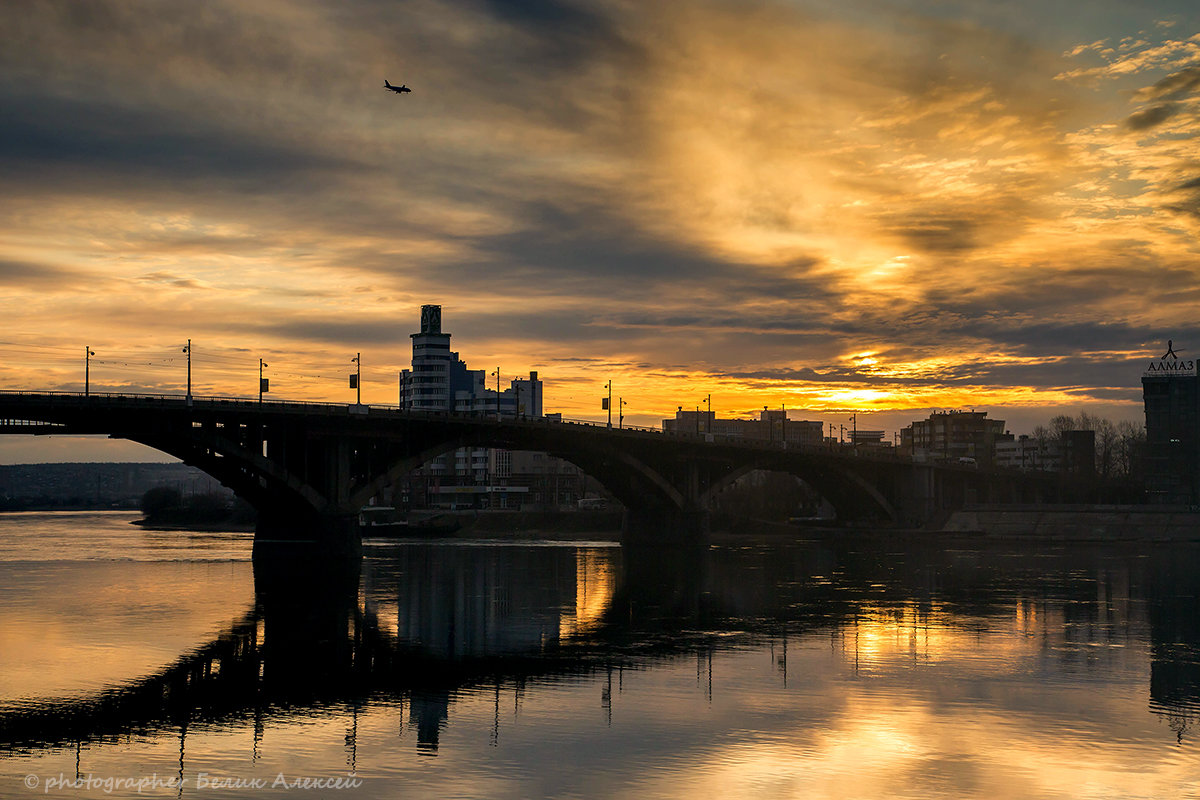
854	432
497	375
608	402
262	386
708	419
87	367
188	350
356	378
783	424
621	414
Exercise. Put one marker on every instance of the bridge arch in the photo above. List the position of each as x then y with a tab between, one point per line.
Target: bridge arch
308	468
629	479
848	492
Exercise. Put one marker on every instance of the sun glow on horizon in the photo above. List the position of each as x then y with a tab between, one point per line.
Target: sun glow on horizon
963	228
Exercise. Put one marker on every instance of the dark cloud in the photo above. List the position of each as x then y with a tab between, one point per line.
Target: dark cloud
171	280
1116	379
947	229
43	276
1150	117
1174	86
1188	205
566	33
588	248
71	136
938	234
348	333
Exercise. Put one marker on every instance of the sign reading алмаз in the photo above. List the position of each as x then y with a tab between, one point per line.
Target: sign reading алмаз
1169	363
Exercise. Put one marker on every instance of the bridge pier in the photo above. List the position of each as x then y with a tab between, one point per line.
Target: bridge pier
282	534
666	527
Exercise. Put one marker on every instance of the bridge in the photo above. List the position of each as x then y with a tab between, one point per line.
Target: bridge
308	468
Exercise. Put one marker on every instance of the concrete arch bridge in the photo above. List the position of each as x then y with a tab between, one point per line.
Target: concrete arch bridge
308	468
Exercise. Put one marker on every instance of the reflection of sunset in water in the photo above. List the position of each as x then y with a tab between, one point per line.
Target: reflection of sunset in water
828	669
595	584
1042	699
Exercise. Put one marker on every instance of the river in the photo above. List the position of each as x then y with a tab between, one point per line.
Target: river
136	663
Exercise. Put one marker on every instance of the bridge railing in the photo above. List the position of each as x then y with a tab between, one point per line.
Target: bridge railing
393	411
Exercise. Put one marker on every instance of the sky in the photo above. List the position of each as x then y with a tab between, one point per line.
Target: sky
881	207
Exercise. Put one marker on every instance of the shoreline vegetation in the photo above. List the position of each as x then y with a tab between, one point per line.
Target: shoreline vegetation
165	508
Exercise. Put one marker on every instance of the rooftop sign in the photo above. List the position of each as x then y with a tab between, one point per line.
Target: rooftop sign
1169	364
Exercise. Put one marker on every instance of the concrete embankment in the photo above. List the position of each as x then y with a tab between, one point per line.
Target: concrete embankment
1078	522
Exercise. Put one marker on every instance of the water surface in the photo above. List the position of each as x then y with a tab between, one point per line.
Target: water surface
867	667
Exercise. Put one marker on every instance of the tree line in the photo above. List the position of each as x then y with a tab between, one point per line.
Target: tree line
1120	446
165	505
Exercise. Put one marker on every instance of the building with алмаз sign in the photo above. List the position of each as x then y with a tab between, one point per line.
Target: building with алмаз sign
1171	391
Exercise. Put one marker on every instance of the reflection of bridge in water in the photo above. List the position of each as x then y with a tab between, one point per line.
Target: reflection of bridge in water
428	623
308	468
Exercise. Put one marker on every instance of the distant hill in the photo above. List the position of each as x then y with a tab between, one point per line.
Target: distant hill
96	485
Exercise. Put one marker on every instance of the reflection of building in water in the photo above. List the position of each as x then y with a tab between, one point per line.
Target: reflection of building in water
595	583
474	602
428	712
1175	643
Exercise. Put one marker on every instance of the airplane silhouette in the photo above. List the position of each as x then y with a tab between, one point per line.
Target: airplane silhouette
397	89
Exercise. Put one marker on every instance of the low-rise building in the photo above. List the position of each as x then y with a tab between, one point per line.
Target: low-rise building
1072	453
948	436
772	425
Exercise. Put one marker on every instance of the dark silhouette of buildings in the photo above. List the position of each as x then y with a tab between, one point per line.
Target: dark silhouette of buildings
1171	392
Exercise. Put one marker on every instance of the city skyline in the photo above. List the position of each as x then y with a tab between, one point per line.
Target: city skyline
883	207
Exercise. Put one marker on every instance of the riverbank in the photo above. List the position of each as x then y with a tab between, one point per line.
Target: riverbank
565	525
201	527
1077	523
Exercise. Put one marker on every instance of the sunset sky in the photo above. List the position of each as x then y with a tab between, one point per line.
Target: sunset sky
864	205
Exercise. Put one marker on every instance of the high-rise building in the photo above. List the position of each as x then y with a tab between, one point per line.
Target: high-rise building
1171	392
477	477
440	381
427	386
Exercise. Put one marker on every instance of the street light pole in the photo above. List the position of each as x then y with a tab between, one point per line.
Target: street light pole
608	403
188	350
87	368
621	414
357	379
261	364
708	419
497	374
